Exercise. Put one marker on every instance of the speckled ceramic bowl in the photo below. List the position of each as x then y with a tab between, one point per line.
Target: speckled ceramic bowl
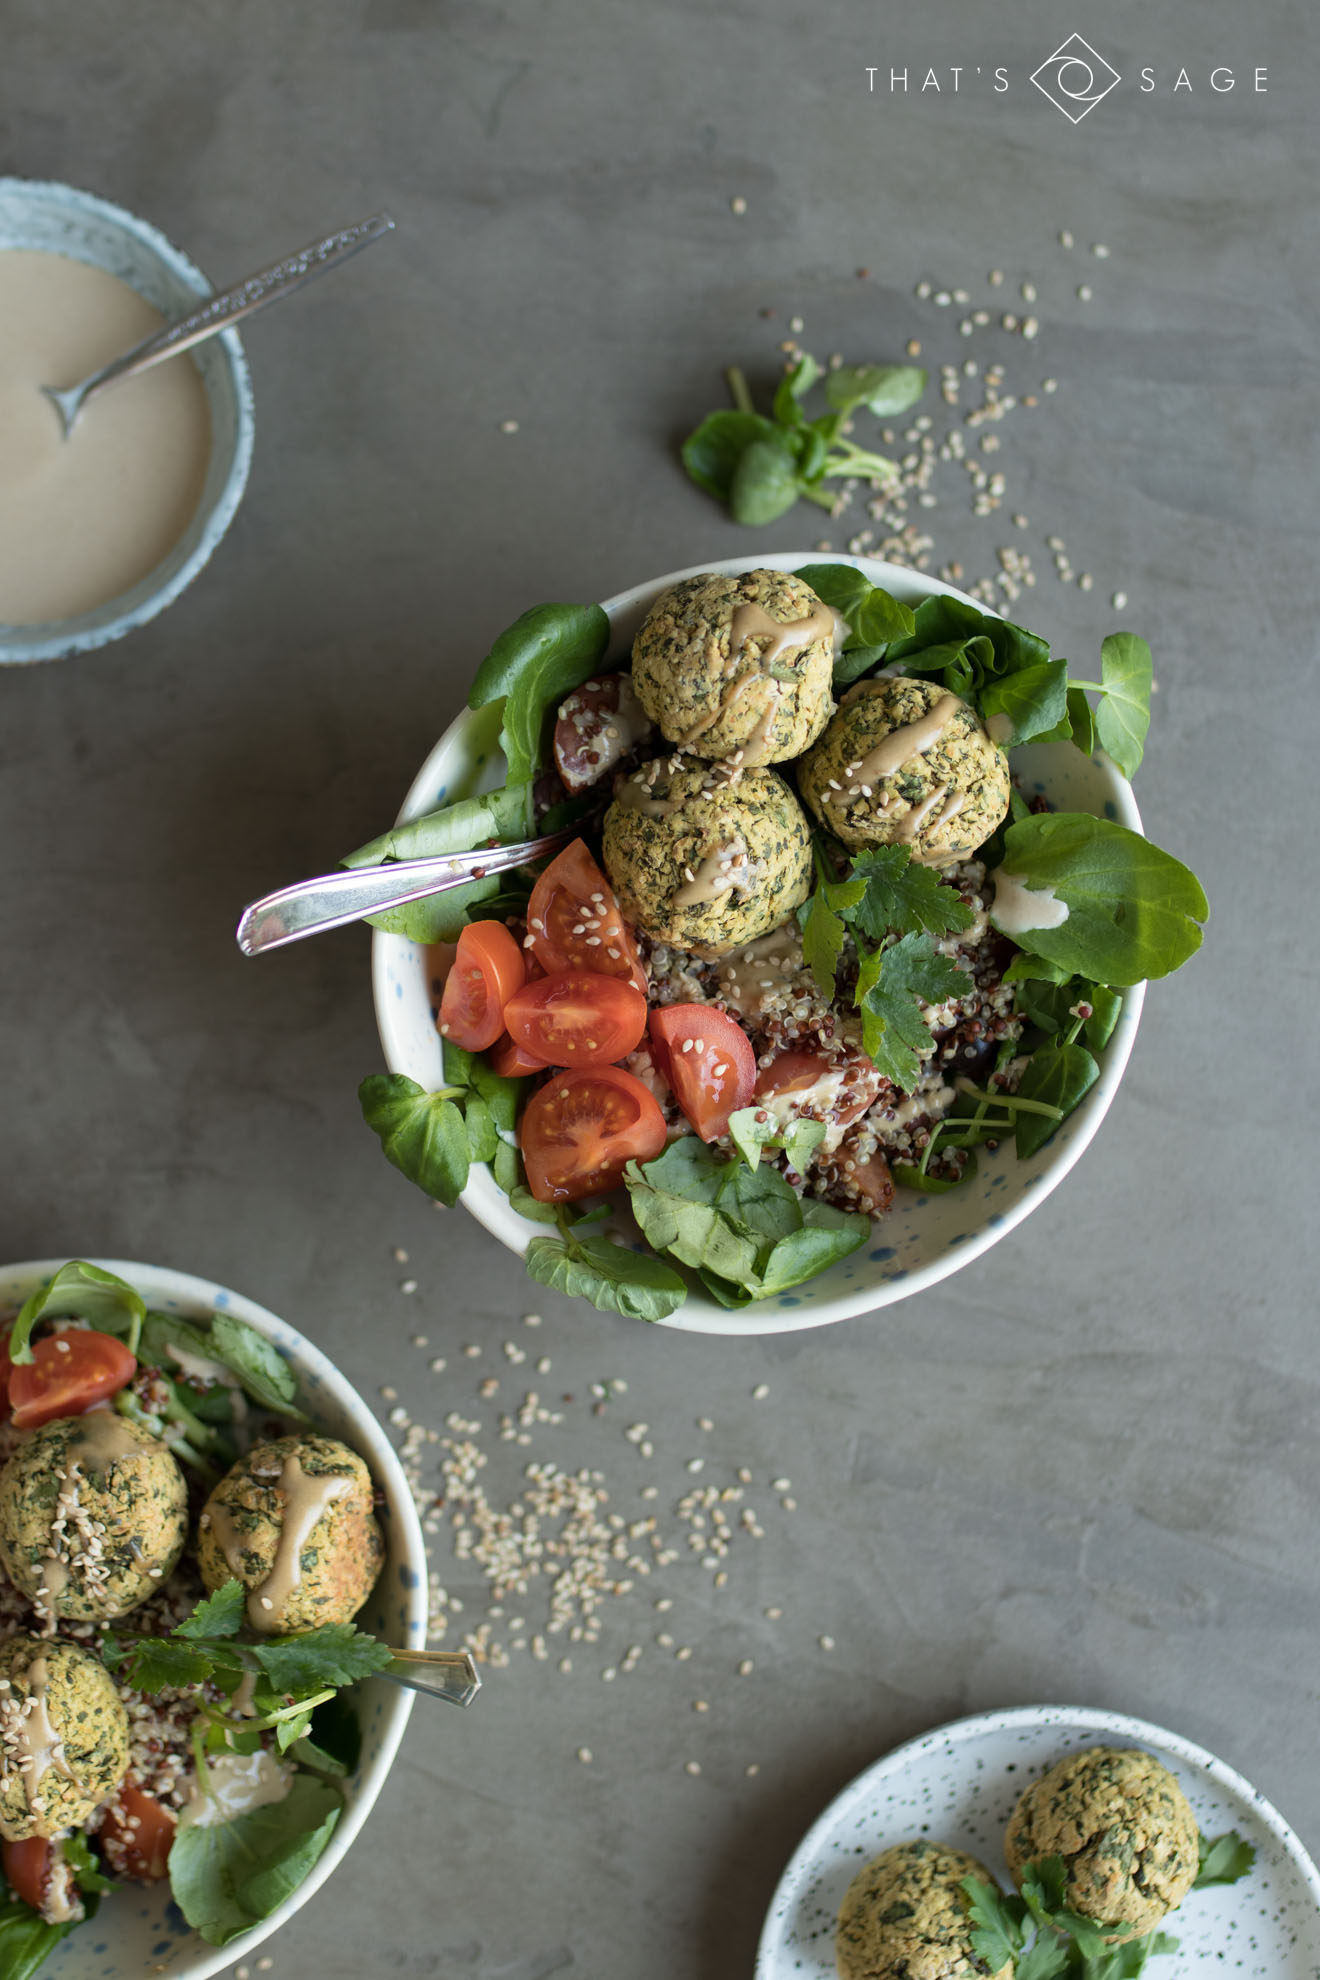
57	219
138	1929
924	1238
959	1785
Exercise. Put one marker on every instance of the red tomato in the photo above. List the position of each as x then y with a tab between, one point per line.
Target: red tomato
510	1061
67	1374
4	1369
577	1019
488	968
873	1183
853	1091
575	923
598	725
580	1129
137	1833
708	1059
28	1867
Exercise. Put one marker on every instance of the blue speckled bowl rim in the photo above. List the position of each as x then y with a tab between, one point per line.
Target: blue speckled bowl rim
102	624
1081	1718
162	1284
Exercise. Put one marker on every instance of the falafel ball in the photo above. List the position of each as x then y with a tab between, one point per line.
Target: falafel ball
61	1756
293	1521
905	1917
905	762
731	664
93	1516
705	857
1124	1829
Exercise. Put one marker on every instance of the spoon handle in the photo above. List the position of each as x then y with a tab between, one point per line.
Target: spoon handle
450	1674
268	285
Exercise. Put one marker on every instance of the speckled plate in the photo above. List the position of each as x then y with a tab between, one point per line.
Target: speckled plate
958	1785
139	1930
924	1238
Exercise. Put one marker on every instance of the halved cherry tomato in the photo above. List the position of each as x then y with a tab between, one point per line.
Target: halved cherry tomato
138	1832
575	923
580	1129
4	1368
27	1866
67	1374
488	968
577	1019
510	1061
708	1059
853	1082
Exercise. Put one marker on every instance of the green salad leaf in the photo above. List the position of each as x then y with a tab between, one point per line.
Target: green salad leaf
217	1616
997	1922
753	1128
1122	716
257	1362
883	389
712	453
902	897
538	660
1223	1860
422	1133
611	1276
874	617
463	826
80	1292
87	1872
891	985
26	1940
1059	1074
1132	909
227	1877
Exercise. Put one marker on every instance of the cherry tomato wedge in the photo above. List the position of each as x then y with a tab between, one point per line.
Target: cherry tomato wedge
847	1086
708	1060
4	1368
575	923
27	1867
510	1061
487	969
577	1019
137	1833
580	1129
67	1374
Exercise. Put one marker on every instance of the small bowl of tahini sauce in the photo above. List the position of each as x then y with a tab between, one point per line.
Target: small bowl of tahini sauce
99	532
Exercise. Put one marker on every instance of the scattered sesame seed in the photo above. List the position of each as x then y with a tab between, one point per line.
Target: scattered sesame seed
825	1642
738	205
995	277
389	1394
1119	600
508	426
1100	251
408	1286
439	1365
584	1755
746	1667
752	1771
760	1392
1065	238
692	1766
1083	292
400	1255
700	1705
914	347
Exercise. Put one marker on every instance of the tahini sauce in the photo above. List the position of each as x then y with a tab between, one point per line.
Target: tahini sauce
82	519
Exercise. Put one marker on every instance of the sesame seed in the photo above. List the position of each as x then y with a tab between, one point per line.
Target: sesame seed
738	205
584	1755
1065	237
760	1392
1119	600
1084	292
692	1766
508	426
1100	251
825	1642
752	1771
746	1667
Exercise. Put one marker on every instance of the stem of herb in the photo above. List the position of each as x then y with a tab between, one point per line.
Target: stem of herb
738	391
819	496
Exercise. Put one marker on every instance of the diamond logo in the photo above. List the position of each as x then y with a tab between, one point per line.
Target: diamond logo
1075	78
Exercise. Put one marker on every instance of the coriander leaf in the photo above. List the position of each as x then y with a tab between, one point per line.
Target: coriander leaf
1122	717
1024	706
533	664
823	935
80	1292
1224	1860
881	388
421	1133
316	1659
613	1278
1132	909
1081	720
158	1663
765	483
996	1922
257	1362
218	1615
228	1876
1048	1957
460	827
902	897
1060	1075
713	451
890	981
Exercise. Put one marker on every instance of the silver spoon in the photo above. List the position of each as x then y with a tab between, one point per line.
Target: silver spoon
450	1674
268	285
332	900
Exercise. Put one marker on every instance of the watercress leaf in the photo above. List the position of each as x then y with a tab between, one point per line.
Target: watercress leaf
1081	720
695	1233
26	1939
823	935
527	1205
1105	1007
996	1922
257	1362
724	1290
889	983
1025	705
504	1097
749	1133
793	388
822	1241
753	1128
317	1659
1060	1075
873	616
939	621
901	897
1223	1860
221	1614
460	827
954	662
713	451
538	660
482	1137
507	1168
802	1138
1132	909
228	1876
421	1134
80	1292
1122	717
1025	968
613	1278
855	661
881	388
765	483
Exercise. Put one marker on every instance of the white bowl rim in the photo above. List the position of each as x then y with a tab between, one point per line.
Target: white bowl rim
487	1202
162	1281
1015	1718
85	631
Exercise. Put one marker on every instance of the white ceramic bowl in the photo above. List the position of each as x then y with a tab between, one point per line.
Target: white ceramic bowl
55	219
924	1238
138	1929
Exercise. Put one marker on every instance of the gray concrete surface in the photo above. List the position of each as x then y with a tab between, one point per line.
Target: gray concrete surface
1085	1469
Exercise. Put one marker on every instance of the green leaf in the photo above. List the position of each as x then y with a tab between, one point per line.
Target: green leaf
874	617
26	1939
260	1367
765	483
996	1922
334	1743
823	935
1046	1959
890	981
462	827
793	388
159	1663
316	1659
527	1205
87	1872
1122	717
909	1176
881	388
1223	1860
219	1615
421	1133
1081	720
799	1138
227	1877
507	1169
713	451
1105	1005
482	1137
538	660
80	1292
1028	703
1059	1075
613	1278
902	897
1132	909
